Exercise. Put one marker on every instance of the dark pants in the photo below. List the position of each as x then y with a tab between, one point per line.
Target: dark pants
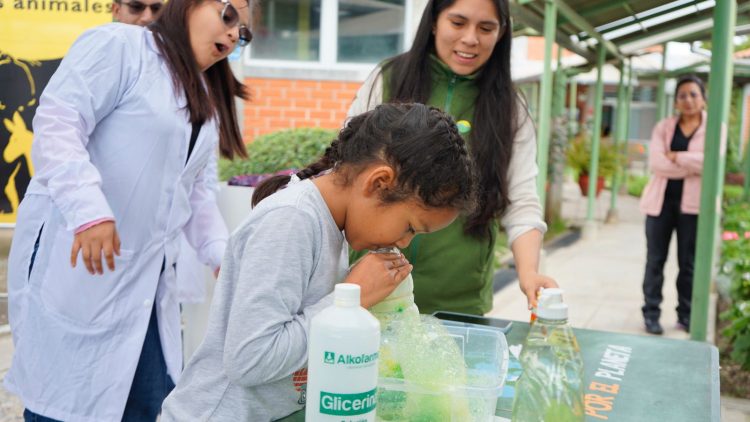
658	234
151	383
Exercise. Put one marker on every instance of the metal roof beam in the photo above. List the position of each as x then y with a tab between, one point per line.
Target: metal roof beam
705	34
601	8
638	20
537	23
595	10
581	23
670	30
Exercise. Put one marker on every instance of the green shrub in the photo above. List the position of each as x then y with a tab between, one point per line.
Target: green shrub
733	194
636	184
282	150
735	266
737	217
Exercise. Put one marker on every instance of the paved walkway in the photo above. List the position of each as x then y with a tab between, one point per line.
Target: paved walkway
601	276
602	279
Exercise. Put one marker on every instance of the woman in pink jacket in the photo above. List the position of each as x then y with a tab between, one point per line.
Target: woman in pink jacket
671	199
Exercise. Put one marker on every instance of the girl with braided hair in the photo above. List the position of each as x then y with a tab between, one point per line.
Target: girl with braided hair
393	172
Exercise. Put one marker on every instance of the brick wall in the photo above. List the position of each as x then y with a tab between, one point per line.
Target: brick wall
278	104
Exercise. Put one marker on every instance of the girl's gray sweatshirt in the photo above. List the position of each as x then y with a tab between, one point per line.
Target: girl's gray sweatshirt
279	270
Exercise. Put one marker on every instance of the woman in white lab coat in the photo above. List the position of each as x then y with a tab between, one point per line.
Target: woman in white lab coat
125	141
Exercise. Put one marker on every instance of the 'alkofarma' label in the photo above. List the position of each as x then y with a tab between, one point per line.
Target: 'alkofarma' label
343	359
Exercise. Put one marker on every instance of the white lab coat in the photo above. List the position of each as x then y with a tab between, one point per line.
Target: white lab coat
111	139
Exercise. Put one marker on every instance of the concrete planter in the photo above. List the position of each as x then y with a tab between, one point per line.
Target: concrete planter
234	204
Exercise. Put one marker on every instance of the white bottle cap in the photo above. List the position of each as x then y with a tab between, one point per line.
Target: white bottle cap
551	306
346	295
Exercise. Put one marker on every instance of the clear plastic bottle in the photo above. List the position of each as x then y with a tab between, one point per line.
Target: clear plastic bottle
343	361
400	301
551	386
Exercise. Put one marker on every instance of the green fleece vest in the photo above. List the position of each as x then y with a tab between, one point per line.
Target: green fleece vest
452	271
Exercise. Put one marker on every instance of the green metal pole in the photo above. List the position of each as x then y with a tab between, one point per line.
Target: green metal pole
719	87
558	95
534	103
545	103
596	135
631	88
660	97
573	110
620	137
629	111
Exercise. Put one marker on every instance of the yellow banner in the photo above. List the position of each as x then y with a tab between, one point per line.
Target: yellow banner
45	29
34	36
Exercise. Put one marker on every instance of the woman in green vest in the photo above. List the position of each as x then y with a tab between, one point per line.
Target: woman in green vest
460	62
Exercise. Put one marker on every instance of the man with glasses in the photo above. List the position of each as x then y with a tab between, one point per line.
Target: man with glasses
136	12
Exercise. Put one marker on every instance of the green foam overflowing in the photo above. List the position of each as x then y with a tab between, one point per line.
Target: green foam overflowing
420	351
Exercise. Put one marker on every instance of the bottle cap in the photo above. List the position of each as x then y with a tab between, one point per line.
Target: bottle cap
346	295
550	305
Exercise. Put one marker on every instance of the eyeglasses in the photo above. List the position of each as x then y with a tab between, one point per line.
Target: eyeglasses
231	18
684	96
136	8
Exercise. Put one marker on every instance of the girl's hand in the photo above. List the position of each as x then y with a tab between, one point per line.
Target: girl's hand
531	283
92	242
377	275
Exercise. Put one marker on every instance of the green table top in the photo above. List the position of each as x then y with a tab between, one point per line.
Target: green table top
632	378
637	377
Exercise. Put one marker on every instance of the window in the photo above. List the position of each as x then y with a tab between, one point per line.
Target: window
288	30
645	93
370	30
327	32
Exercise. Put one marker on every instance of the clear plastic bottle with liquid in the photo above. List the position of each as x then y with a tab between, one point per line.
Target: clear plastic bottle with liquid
551	385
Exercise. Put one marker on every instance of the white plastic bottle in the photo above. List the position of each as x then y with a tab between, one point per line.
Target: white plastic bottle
551	385
342	361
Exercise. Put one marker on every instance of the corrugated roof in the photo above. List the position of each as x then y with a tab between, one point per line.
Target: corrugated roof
626	26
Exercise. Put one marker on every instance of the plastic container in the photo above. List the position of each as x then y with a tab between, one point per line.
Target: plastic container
343	360
551	385
485	354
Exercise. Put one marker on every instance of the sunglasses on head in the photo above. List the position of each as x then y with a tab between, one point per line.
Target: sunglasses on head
231	18
136	8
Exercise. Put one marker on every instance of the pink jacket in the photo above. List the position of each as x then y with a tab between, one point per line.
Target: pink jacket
688	166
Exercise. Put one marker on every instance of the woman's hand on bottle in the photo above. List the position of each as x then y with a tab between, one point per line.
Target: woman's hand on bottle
377	275
92	243
531	283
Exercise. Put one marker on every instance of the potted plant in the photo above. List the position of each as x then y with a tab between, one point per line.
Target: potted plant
578	157
267	154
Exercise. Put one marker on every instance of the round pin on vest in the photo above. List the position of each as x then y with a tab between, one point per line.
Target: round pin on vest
463	126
